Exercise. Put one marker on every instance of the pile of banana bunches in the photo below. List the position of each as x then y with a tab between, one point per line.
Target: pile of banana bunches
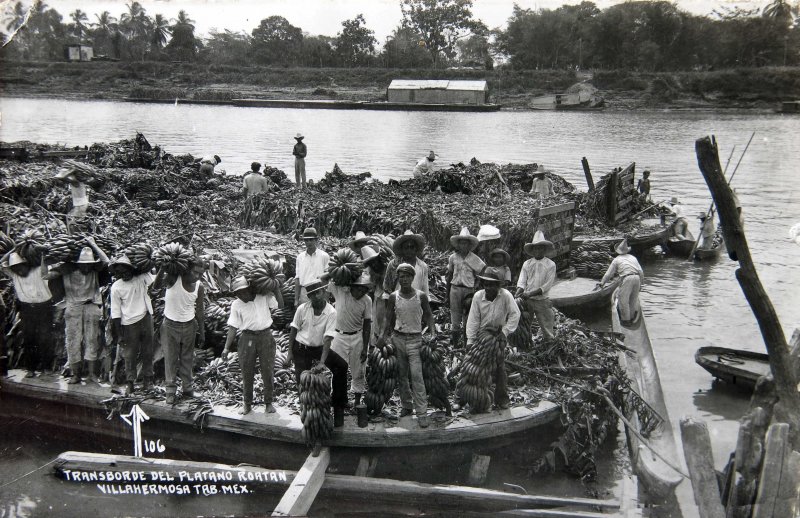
381	377
475	382
432	354
315	404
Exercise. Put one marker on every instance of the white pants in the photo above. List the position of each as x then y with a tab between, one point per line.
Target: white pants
629	296
349	347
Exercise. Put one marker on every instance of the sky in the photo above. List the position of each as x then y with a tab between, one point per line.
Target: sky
325	16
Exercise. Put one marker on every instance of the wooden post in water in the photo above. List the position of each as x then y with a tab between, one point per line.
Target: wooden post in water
588	173
787	409
700	461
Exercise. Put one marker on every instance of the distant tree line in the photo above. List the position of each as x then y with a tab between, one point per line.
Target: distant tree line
636	35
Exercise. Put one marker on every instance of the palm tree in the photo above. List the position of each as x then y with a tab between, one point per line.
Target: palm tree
19	17
79	17
781	11
160	30
134	23
104	30
183	19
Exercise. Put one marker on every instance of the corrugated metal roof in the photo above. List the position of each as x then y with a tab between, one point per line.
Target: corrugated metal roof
441	84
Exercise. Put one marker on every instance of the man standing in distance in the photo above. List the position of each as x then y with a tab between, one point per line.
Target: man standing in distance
300	150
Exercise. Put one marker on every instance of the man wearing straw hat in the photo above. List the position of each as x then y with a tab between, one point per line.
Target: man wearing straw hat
488	239
680	227
312	330
626	267
299	151
542	186
310	265
82	281
358	242
707	231
132	320
407	249
425	165
535	280
462	267
493	309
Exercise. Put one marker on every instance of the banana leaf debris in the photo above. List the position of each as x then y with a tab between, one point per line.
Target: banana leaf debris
142	195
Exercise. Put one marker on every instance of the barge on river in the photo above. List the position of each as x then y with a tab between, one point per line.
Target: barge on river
274	440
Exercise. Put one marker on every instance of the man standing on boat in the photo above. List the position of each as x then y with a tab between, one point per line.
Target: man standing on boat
82	281
644	185
183	322
310	265
462	268
132	320
406	311
300	151
680	227
251	314
493	309
254	182
707	231
425	165
542	186
626	267
350	341
312	330
535	280
407	249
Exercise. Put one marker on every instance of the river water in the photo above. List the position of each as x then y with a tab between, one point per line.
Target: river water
686	305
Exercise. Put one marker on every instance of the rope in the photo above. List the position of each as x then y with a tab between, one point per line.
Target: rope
29	473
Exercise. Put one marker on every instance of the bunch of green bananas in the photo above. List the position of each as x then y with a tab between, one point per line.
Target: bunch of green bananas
63	248
315	404
141	255
6	243
381	377
475	382
345	267
264	274
436	386
173	258
30	245
287	290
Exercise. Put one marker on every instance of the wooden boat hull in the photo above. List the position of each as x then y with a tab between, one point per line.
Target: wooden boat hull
641	242
734	366
275	440
658	477
582	296
680	248
708	254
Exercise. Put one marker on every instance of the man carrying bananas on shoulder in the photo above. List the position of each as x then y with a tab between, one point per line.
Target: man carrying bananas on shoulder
250	313
349	345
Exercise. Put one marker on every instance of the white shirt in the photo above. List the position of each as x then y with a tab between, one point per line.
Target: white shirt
179	304
543	187
31	289
130	300
464	269
79	194
80	288
208	159
424	166
312	329
310	267
254	315
623	265
501	313
537	273
677	210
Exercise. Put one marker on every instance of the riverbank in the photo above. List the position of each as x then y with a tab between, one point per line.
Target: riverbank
750	89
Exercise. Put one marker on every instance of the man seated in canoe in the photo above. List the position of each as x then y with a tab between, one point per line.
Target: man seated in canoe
626	267
680	227
707	231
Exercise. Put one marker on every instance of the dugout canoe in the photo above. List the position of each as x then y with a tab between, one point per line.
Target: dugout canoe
710	254
275	439
734	366
658	477
581	294
680	247
642	241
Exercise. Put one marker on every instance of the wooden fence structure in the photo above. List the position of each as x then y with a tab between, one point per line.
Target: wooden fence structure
619	194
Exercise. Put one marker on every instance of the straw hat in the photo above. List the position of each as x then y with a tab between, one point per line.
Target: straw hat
310	233
86	256
360	239
15	259
299	136
240	283
538	240
464	236
368	254
432	156
122	261
490	274
622	247
363	280
488	232
408	235
313	286
674	201
502	252
405	267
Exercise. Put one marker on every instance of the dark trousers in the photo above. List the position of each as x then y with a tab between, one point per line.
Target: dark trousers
304	357
177	341
257	345
338	367
37	334
137	347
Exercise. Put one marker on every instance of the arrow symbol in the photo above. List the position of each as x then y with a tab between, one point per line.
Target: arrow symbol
135	418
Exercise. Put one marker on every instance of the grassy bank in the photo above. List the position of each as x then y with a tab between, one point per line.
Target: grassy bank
759	88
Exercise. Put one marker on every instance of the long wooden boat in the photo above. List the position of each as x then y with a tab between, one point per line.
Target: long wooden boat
650	237
658	477
734	366
274	439
568	101
680	247
708	254
581	294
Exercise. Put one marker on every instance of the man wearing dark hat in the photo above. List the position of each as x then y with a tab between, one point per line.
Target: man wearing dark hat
535	280
35	306
493	309
309	266
425	165
132	320
407	309
707	231
300	151
462	267
82	281
626	267
312	330
251	314
407	249
254	182
208	163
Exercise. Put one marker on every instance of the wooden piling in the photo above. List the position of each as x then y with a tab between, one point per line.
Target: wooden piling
588	173
700	461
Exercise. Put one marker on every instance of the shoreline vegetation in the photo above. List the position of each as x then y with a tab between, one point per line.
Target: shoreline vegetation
760	89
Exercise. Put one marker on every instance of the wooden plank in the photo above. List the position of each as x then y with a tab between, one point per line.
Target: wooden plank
550	513
611	197
366	465
629	499
348	487
749	451
767	504
544	211
588	173
700	461
478	469
304	488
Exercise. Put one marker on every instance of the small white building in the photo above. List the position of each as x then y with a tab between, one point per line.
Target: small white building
437	91
78	52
